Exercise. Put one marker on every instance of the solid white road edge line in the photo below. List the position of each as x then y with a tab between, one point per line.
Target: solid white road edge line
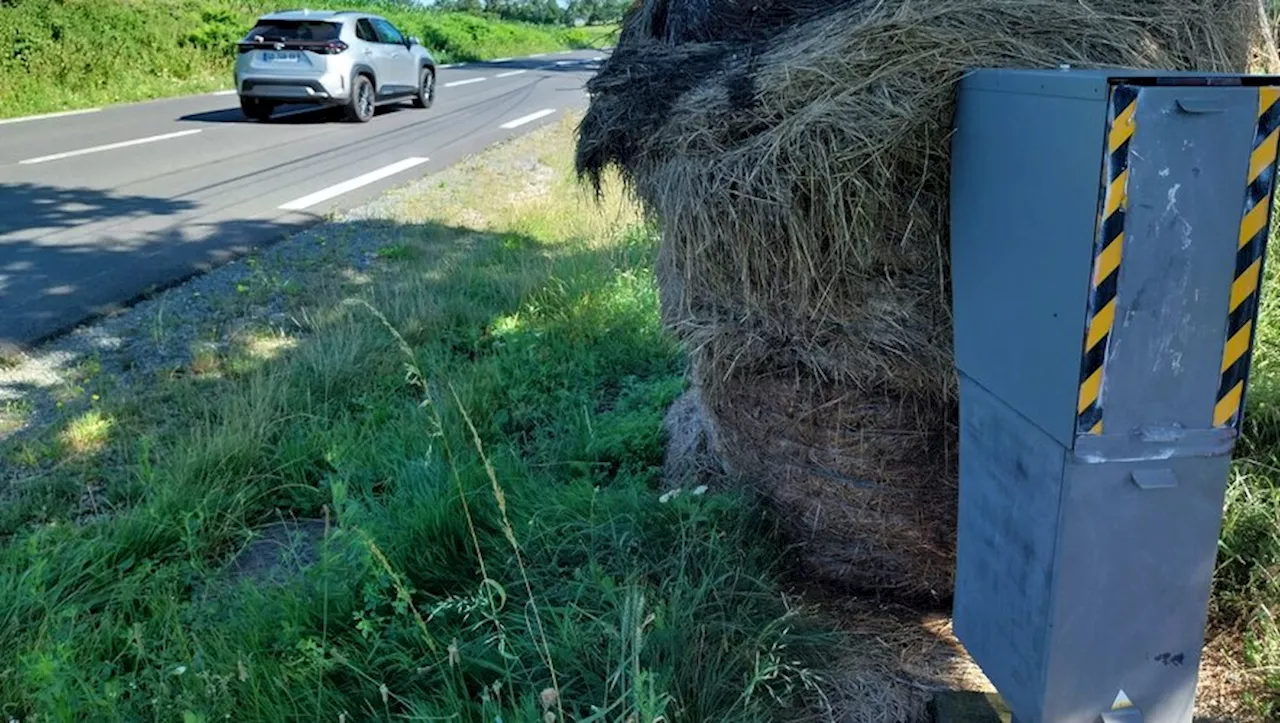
224	92
502	60
527	119
45	116
347	186
510	73
468	81
109	147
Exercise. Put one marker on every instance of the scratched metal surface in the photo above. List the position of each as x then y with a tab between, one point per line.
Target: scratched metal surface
1186	193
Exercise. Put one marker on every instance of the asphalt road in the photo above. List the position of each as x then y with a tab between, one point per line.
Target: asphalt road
100	208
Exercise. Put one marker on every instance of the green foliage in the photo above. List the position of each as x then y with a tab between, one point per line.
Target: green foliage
217	33
543	11
61	54
598	11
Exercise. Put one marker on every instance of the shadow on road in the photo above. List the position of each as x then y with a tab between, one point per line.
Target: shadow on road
549	64
123	247
35	207
288	115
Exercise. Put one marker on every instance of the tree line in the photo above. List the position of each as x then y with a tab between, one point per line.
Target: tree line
544	11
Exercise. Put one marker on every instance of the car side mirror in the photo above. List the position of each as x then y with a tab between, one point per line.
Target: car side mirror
414	41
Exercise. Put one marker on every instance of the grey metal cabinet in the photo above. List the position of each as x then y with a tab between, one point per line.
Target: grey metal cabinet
1108	235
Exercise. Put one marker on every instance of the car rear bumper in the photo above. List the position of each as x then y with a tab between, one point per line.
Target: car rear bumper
325	89
298	91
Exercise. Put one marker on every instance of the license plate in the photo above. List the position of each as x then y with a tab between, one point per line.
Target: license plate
278	56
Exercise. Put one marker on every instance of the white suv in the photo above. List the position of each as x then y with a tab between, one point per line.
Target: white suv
348	59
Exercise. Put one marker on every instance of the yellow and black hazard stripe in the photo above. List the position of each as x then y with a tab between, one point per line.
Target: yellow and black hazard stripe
1107	253
1250	253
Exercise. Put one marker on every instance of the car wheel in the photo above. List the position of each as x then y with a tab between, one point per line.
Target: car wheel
426	89
256	109
361	106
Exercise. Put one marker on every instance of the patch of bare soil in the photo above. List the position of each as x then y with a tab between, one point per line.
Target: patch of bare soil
1227	684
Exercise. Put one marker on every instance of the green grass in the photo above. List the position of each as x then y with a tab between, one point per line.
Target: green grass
476	435
65	54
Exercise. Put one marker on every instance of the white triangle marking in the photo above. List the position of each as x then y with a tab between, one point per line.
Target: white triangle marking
1122	701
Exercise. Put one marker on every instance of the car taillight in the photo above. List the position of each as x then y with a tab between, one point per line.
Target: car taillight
333	47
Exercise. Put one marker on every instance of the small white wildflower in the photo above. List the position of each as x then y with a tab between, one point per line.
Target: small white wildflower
668	496
385	692
700	490
180	670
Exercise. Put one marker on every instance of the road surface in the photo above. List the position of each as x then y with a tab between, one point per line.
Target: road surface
99	208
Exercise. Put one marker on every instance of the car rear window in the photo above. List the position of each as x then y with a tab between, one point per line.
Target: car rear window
294	30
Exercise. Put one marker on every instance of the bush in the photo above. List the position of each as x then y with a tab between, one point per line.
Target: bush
220	29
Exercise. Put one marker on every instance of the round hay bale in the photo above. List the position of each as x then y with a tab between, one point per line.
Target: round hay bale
795	157
863	482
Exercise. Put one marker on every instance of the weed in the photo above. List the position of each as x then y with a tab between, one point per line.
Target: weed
159	331
14	414
396	252
87	433
29	454
205	359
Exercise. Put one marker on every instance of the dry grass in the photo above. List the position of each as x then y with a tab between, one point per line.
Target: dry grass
796	158
268	345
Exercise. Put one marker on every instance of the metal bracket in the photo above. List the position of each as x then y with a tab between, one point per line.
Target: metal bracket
1154	479
1199	106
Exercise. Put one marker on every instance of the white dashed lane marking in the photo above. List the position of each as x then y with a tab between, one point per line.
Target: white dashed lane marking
347	186
108	147
527	119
